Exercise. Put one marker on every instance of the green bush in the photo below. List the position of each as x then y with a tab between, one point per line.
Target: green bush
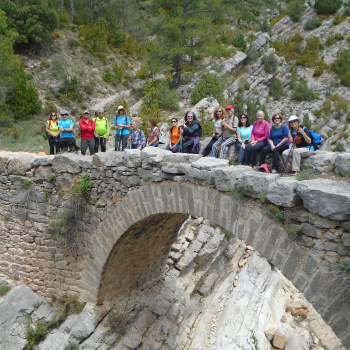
333	38
342	66
210	85
309	56
4	289
294	9
71	90
239	103
327	7
168	98
270	63
312	23
340	147
276	89
252	54
239	41
72	43
6	116
301	92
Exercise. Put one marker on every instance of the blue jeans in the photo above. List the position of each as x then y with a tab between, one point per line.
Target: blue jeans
240	153
252	151
175	149
121	139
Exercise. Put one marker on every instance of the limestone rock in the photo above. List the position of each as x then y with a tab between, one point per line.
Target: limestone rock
20	163
132	158
279	341
207	105
86	322
321	161
233	64
327	198
226	178
342	164
270	333
177	163
297	307
42	173
42	160
114	158
152	157
65	164
209	163
282	192
255	184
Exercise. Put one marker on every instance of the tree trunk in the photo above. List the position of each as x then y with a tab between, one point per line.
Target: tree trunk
178	69
62	5
71	9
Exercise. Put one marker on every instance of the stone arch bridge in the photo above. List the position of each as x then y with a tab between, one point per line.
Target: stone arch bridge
137	205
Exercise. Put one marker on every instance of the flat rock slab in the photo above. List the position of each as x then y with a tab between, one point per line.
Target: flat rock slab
282	192
226	178
342	164
152	157
321	161
327	198
255	184
209	163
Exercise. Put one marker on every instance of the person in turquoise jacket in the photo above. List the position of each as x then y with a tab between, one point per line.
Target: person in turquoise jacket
122	124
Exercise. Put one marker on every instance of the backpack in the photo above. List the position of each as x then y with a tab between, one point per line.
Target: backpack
162	138
316	139
289	140
47	134
264	168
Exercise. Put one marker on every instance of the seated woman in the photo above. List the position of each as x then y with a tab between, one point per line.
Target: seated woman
153	135
191	132
244	132
278	142
260	134
175	136
302	142
218	115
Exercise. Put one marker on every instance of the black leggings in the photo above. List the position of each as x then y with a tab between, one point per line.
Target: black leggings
53	143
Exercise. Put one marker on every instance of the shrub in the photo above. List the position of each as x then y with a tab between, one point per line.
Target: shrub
276	212
4	290
168	98
72	43
276	89
239	104
210	85
333	38
6	116
107	76
327	7
342	66
340	147
312	23
301	92
252	54
309	56
294	9
239	41
270	63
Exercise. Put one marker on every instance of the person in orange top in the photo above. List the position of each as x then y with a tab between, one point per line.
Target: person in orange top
175	136
87	127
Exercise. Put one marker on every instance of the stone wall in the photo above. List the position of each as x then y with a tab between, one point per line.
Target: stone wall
132	186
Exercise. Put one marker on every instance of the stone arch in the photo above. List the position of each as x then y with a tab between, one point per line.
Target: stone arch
160	201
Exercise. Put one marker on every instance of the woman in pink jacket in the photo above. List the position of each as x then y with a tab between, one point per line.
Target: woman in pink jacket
260	135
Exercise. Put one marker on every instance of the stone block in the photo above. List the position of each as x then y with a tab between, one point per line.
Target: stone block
42	172
132	158
64	163
255	184
282	192
42	160
342	164
321	161
327	198
226	178
209	163
152	157
310	230
20	163
279	341
154	174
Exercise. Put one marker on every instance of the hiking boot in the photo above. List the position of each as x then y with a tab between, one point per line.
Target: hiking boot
273	171
294	173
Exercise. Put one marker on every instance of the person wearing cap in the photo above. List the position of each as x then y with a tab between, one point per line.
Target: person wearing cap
66	127
122	124
218	115
101	131
229	137
87	127
259	137
301	141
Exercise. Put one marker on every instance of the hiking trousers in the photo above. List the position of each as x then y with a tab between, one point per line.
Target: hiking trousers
298	153
226	143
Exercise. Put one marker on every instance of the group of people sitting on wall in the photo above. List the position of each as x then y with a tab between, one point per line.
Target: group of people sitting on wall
228	130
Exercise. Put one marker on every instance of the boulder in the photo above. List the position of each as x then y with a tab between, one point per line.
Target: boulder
63	163
114	158
282	192
297	307
279	341
255	184
132	158
327	198
205	107
234	63
152	157
226	178
42	160
342	164
321	161
177	163
20	163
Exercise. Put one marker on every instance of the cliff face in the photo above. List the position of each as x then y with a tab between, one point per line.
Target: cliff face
216	293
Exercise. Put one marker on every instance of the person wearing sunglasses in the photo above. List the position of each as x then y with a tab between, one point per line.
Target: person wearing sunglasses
53	132
244	132
218	116
66	127
101	134
175	136
278	142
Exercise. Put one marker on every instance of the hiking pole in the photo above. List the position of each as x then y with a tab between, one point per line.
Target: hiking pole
180	148
289	156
